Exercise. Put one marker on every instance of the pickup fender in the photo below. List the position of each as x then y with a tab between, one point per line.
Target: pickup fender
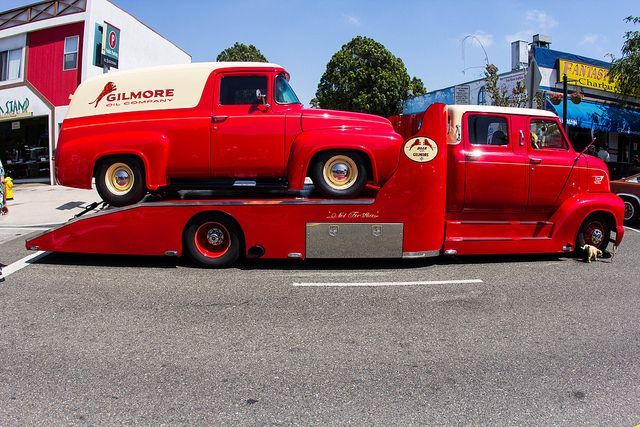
573	211
76	158
382	149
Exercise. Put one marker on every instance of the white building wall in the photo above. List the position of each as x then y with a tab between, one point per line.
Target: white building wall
140	46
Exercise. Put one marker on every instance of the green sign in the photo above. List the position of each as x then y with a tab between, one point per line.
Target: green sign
110	45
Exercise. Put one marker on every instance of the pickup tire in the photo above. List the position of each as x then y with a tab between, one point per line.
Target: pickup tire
212	240
631	210
595	231
120	180
339	173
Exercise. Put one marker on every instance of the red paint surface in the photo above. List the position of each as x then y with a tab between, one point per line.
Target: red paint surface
415	196
45	61
241	141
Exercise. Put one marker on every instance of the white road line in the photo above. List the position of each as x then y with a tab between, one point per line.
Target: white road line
633	229
365	284
24	262
332	273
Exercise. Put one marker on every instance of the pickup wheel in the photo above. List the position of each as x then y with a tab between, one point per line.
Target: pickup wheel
212	240
595	231
631	210
120	180
339	174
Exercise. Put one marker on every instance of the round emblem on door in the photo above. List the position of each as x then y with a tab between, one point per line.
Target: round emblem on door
421	149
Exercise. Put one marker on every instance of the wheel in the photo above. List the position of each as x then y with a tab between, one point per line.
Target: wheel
120	180
595	231
212	240
339	174
631	210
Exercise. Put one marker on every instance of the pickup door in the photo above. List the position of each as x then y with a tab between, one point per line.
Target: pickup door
247	137
552	176
495	164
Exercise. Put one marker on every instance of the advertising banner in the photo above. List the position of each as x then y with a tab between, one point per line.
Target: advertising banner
586	75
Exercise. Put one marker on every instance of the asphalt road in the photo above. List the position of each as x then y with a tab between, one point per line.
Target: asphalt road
106	340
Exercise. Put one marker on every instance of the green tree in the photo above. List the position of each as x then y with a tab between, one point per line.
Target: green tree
499	96
625	69
417	87
364	76
241	52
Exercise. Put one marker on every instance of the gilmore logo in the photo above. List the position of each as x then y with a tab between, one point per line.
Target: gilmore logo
115	98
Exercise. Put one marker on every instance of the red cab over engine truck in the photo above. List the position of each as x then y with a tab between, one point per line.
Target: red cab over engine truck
473	180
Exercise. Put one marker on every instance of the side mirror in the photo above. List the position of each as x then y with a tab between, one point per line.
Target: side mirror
262	98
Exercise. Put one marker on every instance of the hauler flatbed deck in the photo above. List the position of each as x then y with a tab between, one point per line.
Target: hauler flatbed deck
407	217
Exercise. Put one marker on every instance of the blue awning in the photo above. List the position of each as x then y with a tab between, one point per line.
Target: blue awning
605	117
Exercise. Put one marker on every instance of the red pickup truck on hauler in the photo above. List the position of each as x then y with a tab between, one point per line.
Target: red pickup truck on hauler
213	125
473	180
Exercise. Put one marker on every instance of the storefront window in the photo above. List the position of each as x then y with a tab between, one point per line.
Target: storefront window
71	53
10	64
24	149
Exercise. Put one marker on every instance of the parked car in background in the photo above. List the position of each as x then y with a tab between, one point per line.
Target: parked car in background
629	190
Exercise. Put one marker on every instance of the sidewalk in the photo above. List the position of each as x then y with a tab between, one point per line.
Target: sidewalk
41	205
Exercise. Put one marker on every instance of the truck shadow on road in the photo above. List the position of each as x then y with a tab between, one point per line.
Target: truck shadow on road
129	261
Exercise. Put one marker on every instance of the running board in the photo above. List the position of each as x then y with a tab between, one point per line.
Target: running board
506	237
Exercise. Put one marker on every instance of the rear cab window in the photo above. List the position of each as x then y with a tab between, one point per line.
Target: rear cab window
486	130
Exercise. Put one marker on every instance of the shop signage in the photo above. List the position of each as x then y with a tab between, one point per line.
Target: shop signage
462	94
110	45
586	75
15	108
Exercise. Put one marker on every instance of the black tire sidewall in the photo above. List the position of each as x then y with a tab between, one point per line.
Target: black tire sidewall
580	241
635	207
190	249
318	177
134	195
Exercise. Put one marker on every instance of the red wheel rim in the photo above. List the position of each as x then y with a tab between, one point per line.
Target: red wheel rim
212	239
594	233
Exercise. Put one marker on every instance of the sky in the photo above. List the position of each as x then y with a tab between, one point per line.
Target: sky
302	35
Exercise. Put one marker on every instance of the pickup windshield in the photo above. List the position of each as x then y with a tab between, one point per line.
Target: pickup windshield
284	92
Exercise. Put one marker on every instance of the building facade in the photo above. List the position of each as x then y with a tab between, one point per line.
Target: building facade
594	110
46	50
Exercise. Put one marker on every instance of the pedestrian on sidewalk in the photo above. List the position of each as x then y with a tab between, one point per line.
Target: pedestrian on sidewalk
3	199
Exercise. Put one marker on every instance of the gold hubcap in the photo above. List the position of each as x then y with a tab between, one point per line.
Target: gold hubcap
119	178
340	172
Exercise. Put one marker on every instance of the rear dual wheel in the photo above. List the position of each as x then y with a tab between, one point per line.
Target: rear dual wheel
212	240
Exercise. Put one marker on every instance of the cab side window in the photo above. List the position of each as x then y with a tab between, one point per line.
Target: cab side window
545	134
488	130
241	90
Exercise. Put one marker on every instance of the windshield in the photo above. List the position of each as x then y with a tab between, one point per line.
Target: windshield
284	93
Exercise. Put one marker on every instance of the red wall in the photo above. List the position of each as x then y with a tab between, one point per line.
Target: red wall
45	58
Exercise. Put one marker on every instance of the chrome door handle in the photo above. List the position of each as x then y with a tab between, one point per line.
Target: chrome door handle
534	161
218	119
472	157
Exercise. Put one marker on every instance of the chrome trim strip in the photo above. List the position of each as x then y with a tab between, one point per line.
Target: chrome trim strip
485	222
536	222
486	239
633	196
535	238
424	254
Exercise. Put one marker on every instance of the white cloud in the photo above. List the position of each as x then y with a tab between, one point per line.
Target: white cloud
535	22
593	39
540	20
480	37
352	20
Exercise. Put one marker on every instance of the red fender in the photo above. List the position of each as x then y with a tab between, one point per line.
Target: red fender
382	149
75	169
573	211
